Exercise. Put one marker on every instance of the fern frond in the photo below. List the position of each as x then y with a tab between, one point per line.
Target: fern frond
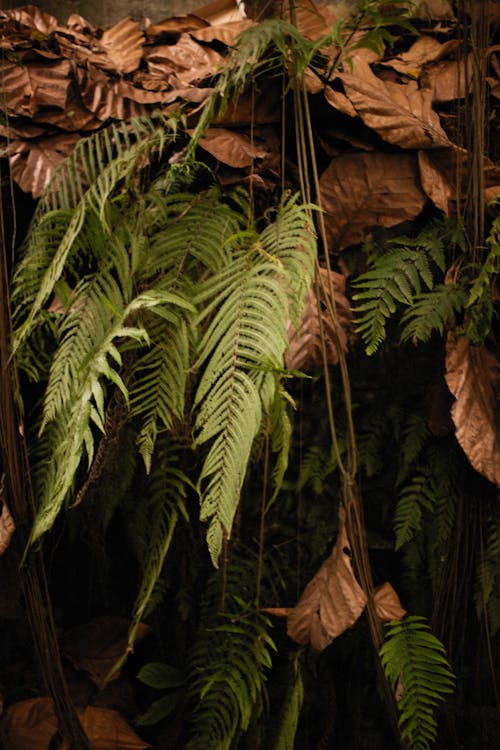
413	656
396	277
414	496
486	596
229	665
250	303
432	311
281	434
415	434
285	736
490	268
81	186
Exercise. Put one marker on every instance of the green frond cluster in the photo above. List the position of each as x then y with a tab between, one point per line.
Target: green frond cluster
284	738
432	311
486	596
247	306
414	496
415	664
397	277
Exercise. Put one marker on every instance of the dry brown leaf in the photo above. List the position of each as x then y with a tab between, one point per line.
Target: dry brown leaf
361	191
28	88
225	33
437	10
400	114
229	147
305	348
426	49
473	377
190	61
332	601
96	646
30	724
122	46
436	178
340	101
387	604
32	163
447	79
174	26
7	525
31	17
107	730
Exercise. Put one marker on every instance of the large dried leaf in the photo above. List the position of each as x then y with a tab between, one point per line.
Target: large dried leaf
229	147
30	724
33	724
7	526
107	730
96	646
121	47
447	79
305	346
27	88
425	50
361	191
332	601
190	61
174	26
400	114
473	376
32	163
226	33
435	9
436	178
387	603
31	17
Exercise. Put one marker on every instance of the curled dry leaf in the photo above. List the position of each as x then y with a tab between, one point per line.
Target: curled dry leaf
425	50
33	724
33	163
360	191
7	527
122	47
473	377
174	26
332	601
229	147
31	17
225	33
190	61
401	114
305	347
28	88
96	646
447	79
435	10
387	603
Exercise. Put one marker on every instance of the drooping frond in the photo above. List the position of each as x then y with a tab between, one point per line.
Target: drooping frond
284	736
415	434
280	428
152	527
432	311
82	185
415	664
249	304
414	496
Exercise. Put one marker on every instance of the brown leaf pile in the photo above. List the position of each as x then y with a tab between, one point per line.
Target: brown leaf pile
382	123
473	377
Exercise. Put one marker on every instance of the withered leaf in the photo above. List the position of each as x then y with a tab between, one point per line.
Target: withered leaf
229	147
361	191
7	526
473	377
122	45
32	163
96	646
387	604
340	101
436	178
305	347
28	88
107	730
225	32
175	25
425	50
32	17
190	61
30	723
400	114
332	601
447	79
435	9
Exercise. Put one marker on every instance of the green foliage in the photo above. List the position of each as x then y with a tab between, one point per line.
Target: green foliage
284	738
415	664
414	496
432	311
487	585
396	277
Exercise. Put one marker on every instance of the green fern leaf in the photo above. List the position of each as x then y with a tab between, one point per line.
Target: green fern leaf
414	658
432	311
414	496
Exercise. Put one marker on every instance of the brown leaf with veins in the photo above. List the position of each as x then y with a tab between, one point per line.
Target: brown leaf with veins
175	26
96	646
31	17
332	600
29	87
473	377
425	50
401	114
33	163
229	147
361	191
305	349
191	62
387	603
32	724
447	79
122	47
